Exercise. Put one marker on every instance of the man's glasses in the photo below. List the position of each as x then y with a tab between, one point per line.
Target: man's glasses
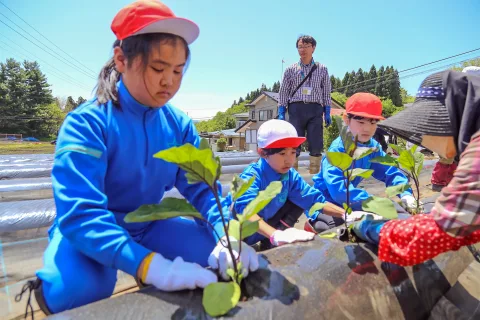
303	47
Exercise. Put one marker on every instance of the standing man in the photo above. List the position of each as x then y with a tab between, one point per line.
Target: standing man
305	92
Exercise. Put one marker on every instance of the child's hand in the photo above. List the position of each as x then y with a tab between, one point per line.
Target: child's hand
290	235
168	275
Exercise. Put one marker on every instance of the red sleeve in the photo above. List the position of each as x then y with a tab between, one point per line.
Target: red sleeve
417	239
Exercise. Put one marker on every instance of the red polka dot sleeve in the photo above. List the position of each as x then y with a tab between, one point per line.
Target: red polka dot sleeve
417	239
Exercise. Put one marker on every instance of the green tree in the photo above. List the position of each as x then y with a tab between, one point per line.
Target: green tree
372	78
70	105
406	98
80	100
346	77
379	87
472	62
350	89
394	88
359	81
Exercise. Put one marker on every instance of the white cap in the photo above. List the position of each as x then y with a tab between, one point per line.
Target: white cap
278	134
472	70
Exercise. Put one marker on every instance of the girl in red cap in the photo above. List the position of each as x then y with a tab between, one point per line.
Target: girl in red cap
104	168
363	111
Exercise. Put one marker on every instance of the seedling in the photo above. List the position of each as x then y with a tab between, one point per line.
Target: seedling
411	162
345	161
201	166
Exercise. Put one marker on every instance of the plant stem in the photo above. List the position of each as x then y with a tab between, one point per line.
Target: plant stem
417	185
229	245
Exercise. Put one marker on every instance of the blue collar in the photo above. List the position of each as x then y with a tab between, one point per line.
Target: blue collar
300	64
128	102
269	173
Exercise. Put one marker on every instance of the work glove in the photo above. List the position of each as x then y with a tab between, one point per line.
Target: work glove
358	215
410	203
281	112
221	259
168	275
328	119
368	229
290	235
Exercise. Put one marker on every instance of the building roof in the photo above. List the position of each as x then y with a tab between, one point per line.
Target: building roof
241	115
226	133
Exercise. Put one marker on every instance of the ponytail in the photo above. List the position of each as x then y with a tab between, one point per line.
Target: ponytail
107	84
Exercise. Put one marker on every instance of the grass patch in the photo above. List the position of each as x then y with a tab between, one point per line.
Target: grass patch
26	147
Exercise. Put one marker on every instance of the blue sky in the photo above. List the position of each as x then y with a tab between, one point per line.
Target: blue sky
242	43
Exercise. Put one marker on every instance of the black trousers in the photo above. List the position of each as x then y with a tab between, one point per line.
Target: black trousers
285	218
308	117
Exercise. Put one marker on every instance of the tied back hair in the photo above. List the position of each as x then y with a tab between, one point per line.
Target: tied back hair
132	47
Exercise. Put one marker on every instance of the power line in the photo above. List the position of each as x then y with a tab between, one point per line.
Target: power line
416	67
67	78
1	2
385	81
71	65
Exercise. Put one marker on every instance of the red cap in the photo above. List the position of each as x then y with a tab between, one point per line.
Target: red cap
365	105
151	16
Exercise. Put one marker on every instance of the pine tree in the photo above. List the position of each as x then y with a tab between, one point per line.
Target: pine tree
359	81
80	100
378	84
387	79
372	78
333	82
394	88
351	84
346	77
70	105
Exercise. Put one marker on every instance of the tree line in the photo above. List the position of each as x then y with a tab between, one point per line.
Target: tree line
27	105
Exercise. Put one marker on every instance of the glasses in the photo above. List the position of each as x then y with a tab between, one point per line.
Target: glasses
303	47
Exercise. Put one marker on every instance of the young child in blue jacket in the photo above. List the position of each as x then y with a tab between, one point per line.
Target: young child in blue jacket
104	168
277	143
363	111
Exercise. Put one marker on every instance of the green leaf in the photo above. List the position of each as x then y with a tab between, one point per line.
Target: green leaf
204	144
418	157
348	210
413	149
240	218
347	138
168	208
220	297
398	189
231	273
340	160
362	152
398	149
364	173
385	160
382	206
240	186
234	229
406	160
316	206
249	228
263	198
200	164
329	235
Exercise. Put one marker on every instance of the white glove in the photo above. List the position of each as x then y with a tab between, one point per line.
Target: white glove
410	202
176	275
221	259
290	235
357	215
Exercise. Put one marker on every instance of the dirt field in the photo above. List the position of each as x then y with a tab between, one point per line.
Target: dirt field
26	147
